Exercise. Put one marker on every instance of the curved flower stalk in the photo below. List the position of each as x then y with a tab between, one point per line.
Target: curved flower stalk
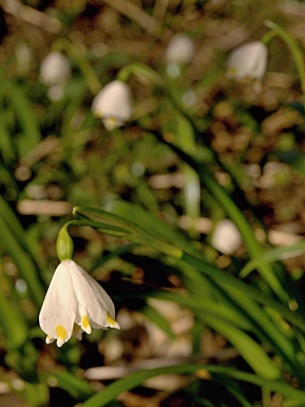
248	61
55	72
74	303
113	104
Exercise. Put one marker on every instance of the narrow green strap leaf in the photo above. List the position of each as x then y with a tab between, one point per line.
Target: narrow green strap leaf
13	323
294	49
205	305
137	378
134	232
155	317
293	317
250	350
6	141
26	117
234	213
37	395
151	223
10	217
295	159
273	255
75	386
141	236
23	261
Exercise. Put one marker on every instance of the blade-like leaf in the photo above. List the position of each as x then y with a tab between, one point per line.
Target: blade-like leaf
135	379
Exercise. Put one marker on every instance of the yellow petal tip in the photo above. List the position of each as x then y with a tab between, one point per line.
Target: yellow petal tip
111	322
61	335
86	325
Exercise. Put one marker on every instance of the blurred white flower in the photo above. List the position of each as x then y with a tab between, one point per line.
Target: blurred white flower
73	304
113	104
180	50
248	61
55	68
55	72
226	237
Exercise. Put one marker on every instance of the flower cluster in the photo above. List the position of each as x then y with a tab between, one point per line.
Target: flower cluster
74	303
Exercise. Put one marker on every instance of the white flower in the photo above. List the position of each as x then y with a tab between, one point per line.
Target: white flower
74	303
226	237
248	61
55	69
55	72
113	104
180	50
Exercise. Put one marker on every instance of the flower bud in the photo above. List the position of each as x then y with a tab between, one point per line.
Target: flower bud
64	245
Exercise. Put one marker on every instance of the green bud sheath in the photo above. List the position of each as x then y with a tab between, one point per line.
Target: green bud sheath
64	244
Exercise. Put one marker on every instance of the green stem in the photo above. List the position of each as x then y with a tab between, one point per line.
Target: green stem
93	83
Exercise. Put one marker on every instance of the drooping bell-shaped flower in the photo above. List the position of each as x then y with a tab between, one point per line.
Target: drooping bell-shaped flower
74	303
55	72
113	104
180	50
248	61
226	237
55	68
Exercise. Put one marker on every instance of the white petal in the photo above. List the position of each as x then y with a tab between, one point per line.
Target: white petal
59	309
113	102
248	61
93	301
77	332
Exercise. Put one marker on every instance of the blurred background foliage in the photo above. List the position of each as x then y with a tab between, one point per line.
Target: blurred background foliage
199	149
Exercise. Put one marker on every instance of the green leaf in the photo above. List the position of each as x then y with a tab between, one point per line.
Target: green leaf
103	221
154	316
295	51
295	159
12	322
149	222
6	141
272	255
36	394
250	350
135	379
24	110
232	210
26	267
78	388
